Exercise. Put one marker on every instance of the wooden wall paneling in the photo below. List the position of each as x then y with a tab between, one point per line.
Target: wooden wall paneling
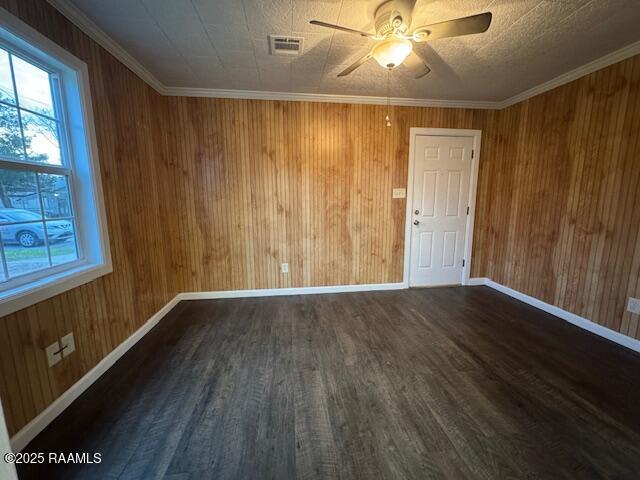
629	322
180	268
212	194
63	379
297	128
529	219
74	369
356	156
479	253
619	193
300	200
218	178
583	107
238	219
246	213
628	214
105	312
559	176
280	163
509	232
261	177
42	333
583	208
609	202
311	205
308	184
546	192
558	215
14	407
557	190
593	195
23	371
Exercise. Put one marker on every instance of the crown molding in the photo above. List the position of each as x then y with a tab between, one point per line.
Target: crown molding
327	98
84	23
78	18
598	64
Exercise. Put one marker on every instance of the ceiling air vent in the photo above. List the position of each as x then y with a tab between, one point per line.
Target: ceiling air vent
282	45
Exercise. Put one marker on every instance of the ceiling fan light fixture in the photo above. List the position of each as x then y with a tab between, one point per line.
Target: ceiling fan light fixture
392	51
394	43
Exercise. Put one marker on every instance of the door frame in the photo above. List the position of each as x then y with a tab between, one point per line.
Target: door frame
414	132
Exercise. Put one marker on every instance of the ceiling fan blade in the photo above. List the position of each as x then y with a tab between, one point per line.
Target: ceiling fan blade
417	65
453	28
344	29
357	64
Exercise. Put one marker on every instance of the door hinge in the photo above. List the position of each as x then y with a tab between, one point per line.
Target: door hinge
472	153
463	262
467	210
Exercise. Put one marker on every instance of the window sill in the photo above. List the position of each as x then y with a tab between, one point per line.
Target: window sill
27	295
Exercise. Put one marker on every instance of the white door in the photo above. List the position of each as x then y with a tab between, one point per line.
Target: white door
441	179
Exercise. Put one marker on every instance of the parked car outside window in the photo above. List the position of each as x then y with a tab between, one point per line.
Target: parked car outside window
15	231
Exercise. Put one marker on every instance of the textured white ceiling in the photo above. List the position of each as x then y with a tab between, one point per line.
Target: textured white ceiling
223	44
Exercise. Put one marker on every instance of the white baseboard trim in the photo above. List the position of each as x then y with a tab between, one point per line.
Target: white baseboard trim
572	318
275	292
35	426
477	281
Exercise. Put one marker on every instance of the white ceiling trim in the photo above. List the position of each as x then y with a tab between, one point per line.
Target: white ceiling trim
320	97
84	23
77	17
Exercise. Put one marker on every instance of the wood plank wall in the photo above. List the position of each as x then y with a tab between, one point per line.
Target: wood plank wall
266	182
206	194
559	197
105	312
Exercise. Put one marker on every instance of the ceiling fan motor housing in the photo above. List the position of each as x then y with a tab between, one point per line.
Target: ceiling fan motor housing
393	16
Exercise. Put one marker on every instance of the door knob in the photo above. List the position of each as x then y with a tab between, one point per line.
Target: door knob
416	222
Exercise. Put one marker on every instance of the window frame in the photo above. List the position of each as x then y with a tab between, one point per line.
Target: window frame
79	160
64	169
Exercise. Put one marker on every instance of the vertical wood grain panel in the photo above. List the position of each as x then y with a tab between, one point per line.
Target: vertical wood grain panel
559	197
213	194
260	183
105	312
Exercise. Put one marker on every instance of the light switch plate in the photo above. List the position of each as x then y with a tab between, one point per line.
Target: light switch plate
68	344
284	268
634	305
53	354
399	192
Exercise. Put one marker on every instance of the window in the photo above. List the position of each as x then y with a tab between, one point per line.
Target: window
52	227
37	224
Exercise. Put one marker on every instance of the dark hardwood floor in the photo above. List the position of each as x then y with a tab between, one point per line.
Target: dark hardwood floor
431	383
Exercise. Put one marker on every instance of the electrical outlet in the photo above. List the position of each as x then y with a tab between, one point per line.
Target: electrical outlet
67	344
284	268
634	305
399	193
54	355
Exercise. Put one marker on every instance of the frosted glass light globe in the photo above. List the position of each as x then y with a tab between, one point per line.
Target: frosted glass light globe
392	51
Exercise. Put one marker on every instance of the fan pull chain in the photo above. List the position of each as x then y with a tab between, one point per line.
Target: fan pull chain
388	97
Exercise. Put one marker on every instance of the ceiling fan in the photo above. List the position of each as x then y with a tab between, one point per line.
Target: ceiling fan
394	43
